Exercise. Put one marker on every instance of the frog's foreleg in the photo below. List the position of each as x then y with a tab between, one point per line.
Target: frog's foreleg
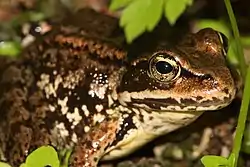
92	146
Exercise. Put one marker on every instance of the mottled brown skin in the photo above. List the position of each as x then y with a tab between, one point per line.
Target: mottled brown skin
26	119
24	110
75	91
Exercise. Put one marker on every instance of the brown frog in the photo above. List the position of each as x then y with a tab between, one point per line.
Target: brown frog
74	90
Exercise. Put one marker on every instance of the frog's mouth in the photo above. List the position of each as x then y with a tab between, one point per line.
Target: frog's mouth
176	104
171	104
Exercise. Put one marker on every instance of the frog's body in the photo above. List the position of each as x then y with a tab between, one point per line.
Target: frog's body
80	93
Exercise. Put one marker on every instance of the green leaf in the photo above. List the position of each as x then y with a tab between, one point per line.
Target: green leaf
218	25
23	165
134	13
117	4
9	48
155	10
139	16
214	161
132	31
174	8
2	164
43	156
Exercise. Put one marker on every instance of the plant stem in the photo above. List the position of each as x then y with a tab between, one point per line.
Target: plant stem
242	118
239	48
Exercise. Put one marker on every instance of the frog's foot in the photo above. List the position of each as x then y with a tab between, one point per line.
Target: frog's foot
92	146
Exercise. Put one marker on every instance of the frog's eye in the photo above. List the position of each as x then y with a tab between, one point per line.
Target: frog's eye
224	42
163	67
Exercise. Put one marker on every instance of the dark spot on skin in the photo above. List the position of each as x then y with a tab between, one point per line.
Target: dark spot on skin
220	107
170	101
226	91
198	98
188	101
191	109
88	143
119	148
155	103
186	118
216	100
140	117
124	128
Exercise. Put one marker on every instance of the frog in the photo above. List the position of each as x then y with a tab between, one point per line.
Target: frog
72	89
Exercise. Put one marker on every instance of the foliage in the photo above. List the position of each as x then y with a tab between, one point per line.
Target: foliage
2	164
41	157
143	15
9	48
48	154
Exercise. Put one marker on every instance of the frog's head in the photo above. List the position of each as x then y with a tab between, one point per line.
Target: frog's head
193	76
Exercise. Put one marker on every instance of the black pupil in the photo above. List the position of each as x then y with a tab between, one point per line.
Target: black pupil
163	67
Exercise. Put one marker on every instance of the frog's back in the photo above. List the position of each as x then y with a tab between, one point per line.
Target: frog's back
56	91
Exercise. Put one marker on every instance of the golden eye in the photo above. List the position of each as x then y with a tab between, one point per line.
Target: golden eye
163	67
